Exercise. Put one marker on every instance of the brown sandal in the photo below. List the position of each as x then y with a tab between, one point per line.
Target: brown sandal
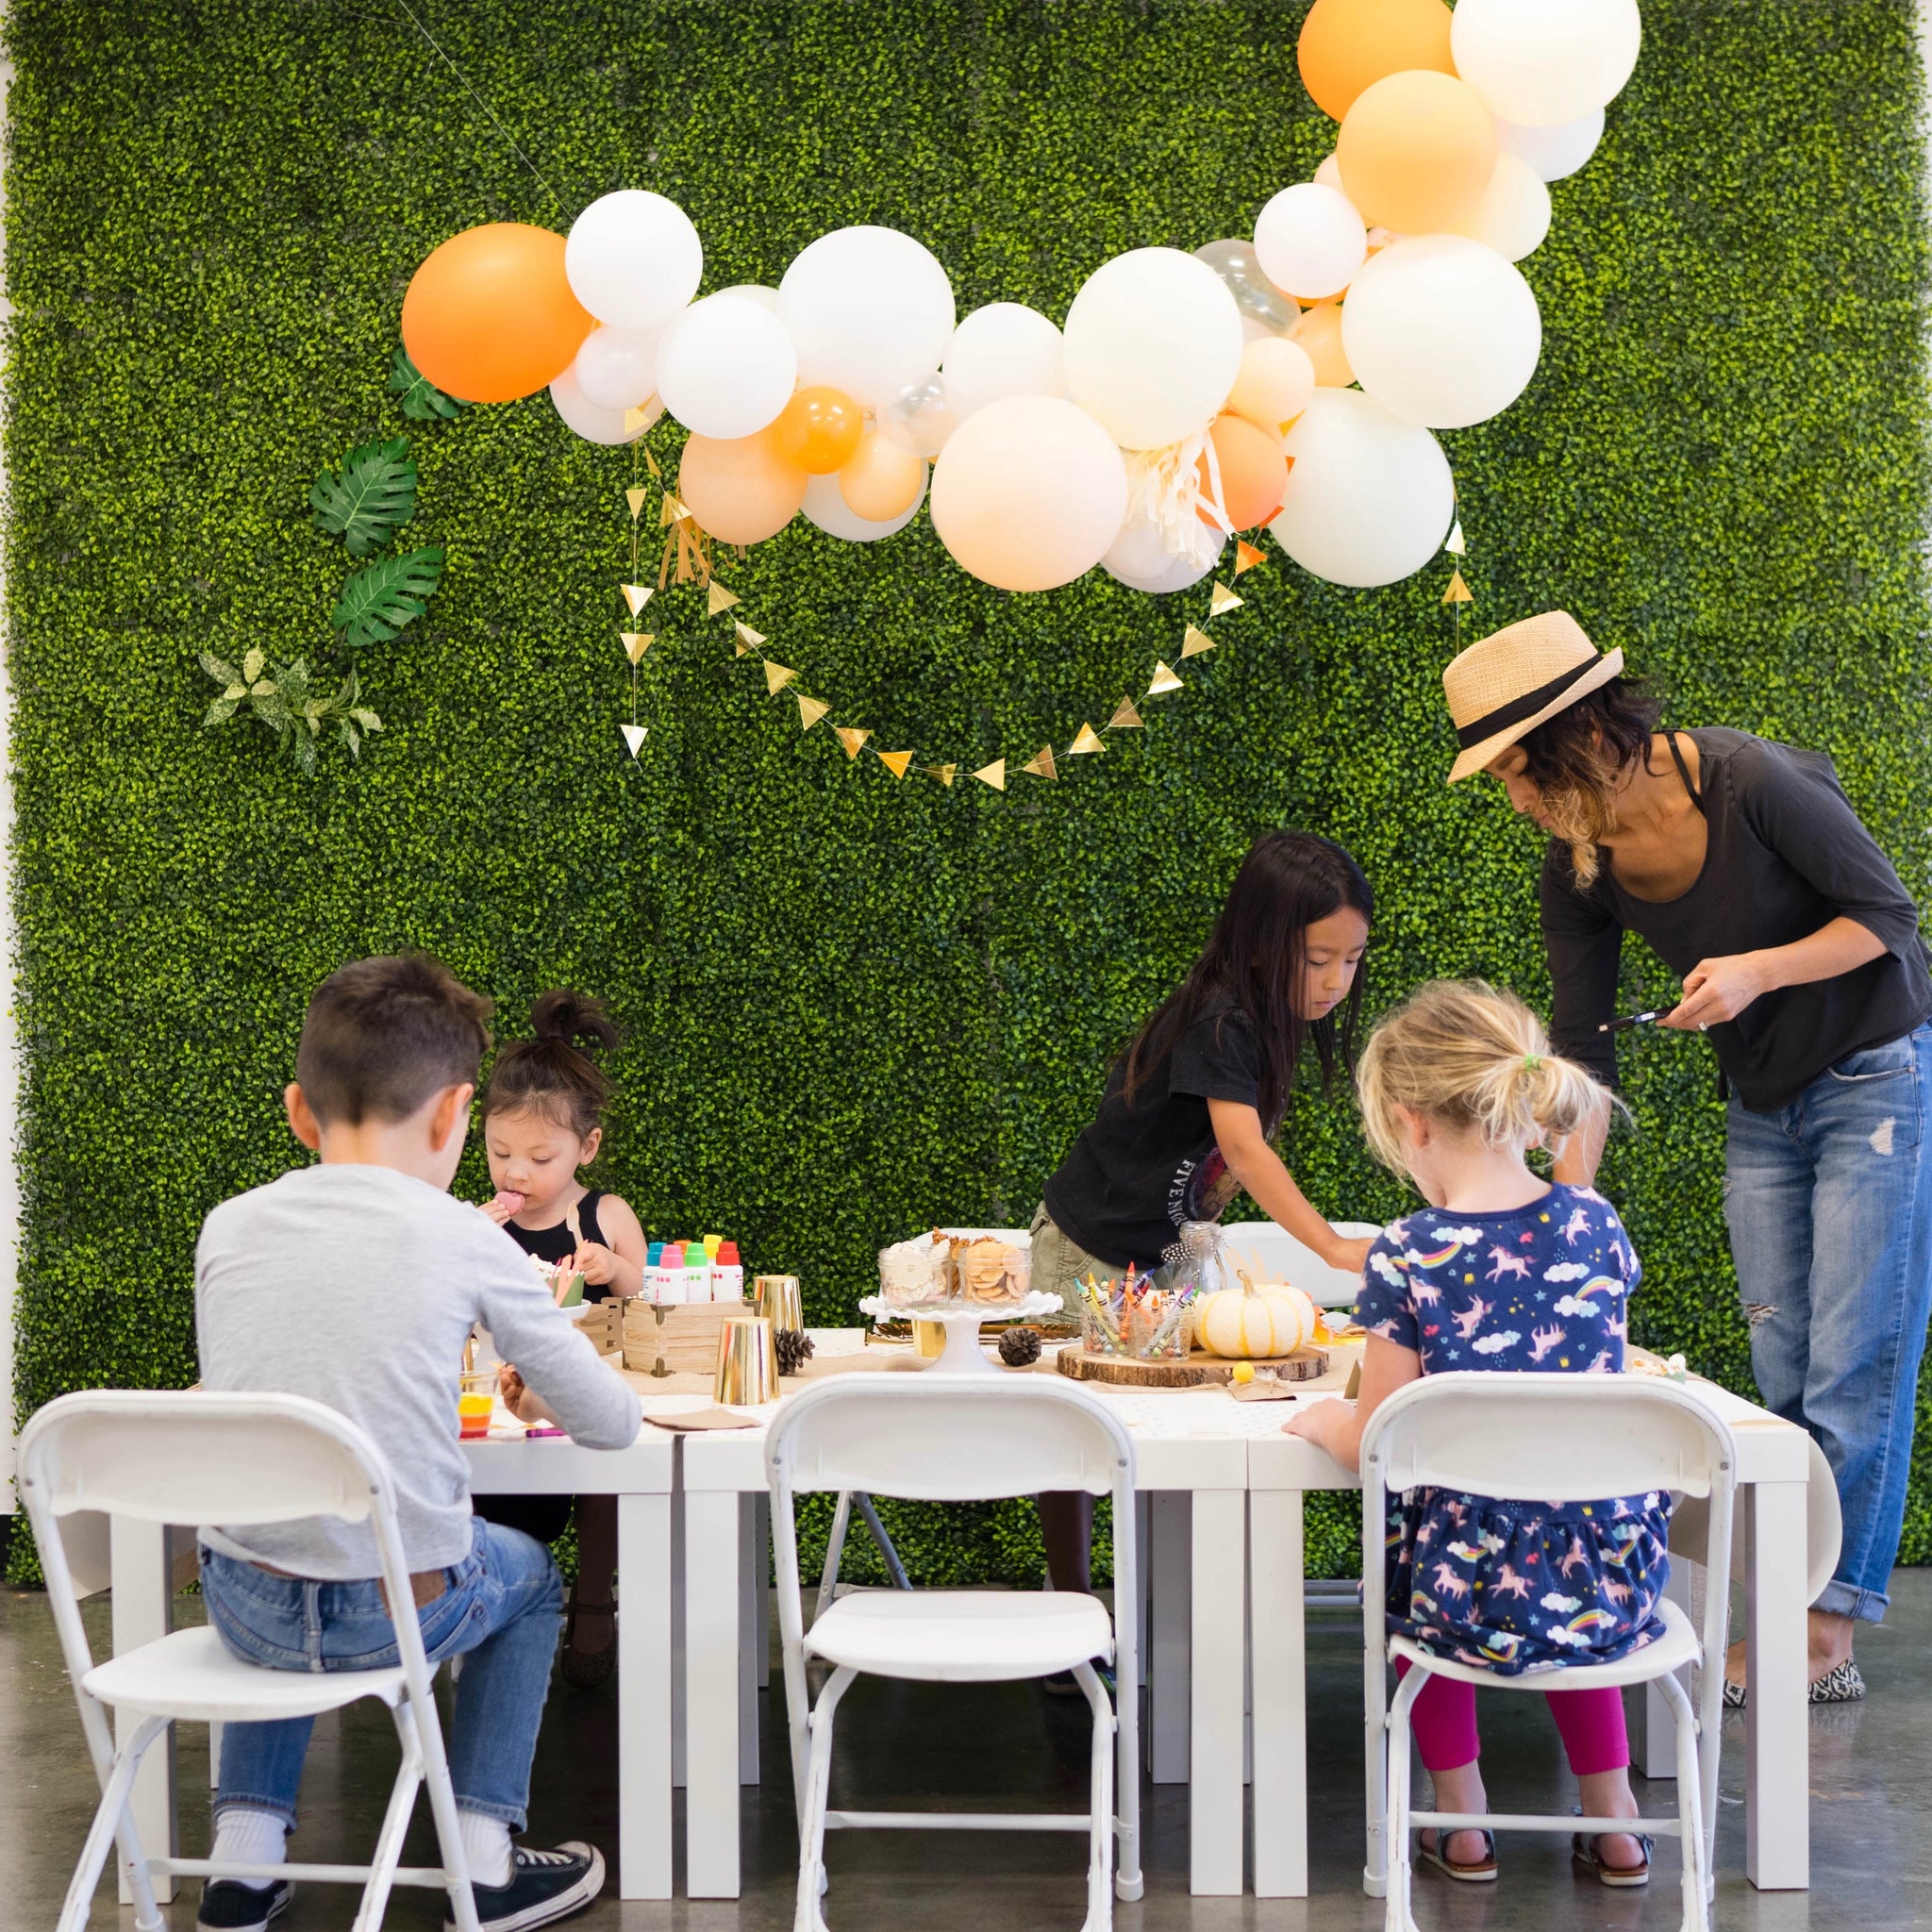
1483	1871
1583	1850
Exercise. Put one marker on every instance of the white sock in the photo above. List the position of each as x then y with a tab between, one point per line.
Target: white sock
485	1845
247	1837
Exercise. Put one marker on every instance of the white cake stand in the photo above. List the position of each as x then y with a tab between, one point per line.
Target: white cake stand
963	1354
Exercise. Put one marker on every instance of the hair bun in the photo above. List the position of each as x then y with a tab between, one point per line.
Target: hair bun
573	1018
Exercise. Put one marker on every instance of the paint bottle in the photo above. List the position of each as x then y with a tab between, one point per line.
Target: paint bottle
727	1274
697	1272
653	1289
712	1243
671	1274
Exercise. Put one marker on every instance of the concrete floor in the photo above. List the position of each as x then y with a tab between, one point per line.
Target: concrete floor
903	1744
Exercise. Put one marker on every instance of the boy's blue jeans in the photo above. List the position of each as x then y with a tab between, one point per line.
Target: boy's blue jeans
1829	1202
499	1612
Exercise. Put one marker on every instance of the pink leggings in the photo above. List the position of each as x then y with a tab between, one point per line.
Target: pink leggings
1444	1721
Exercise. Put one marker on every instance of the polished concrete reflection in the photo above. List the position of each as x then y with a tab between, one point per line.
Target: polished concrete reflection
904	1745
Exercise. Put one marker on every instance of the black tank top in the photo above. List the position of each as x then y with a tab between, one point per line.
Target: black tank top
561	1243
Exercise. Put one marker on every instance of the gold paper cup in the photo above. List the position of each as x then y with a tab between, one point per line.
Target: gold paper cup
928	1338
747	1361
778	1296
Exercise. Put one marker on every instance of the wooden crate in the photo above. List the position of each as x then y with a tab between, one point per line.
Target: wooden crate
603	1323
679	1339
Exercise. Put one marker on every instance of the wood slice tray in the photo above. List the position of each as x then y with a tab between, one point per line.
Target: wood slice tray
1199	1371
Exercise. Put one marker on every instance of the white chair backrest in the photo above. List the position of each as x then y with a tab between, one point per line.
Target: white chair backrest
1543	1438
1017	1237
1269	1253
941	1440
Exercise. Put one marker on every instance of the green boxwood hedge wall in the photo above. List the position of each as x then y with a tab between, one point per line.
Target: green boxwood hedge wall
857	1007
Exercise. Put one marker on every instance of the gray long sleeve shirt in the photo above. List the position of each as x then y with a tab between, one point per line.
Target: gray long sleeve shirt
358	1287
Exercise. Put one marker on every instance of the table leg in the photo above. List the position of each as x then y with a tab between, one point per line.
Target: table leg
142	1612
1654	1749
643	1697
711	1647
1277	1645
762	1550
1169	1515
1218	1679
752	1571
1777	1743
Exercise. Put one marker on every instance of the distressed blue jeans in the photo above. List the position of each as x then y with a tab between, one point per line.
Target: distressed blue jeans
498	1611
1829	1203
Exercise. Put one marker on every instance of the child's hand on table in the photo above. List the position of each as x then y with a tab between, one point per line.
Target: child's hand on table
522	1400
1321	1421
503	1206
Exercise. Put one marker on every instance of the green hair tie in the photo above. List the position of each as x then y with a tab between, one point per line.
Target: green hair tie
1531	1061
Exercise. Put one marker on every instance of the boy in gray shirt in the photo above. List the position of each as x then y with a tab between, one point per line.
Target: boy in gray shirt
356	1282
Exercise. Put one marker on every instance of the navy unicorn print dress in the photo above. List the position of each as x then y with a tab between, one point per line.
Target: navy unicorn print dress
1517	1586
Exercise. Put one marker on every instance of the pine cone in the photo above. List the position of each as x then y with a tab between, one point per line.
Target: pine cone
794	1350
1019	1347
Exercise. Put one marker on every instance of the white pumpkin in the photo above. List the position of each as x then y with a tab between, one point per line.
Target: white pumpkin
1255	1324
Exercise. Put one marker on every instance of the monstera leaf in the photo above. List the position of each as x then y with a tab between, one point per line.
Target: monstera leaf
374	494
383	599
423	401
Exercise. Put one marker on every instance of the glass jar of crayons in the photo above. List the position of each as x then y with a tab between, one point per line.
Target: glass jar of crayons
1136	1316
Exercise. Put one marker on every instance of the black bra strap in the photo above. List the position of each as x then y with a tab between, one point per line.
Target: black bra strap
1684	771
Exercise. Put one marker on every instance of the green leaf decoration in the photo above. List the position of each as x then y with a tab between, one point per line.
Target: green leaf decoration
372	497
383	599
423	401
221	672
251	665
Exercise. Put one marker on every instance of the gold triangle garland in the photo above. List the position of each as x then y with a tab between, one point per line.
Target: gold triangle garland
1194	643
895	761
719	599
993	775
1245	556
1086	739
1164	680
1222	601
1125	718
1042	765
776	678
809	710
636	642
852	737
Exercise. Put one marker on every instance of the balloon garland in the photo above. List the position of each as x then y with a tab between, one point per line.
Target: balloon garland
1294	382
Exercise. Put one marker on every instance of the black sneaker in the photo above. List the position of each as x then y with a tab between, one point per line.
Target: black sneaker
226	1904
543	1887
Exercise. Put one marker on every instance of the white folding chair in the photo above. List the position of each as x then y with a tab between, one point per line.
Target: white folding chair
1281	1257
237	1460
939	1439
1574	1438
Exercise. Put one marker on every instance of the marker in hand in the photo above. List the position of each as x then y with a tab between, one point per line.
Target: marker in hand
1631	1020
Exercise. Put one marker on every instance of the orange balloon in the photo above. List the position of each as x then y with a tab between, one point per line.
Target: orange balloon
1254	471
882	480
1416	152
1347	45
742	490
1318	334
489	316
819	429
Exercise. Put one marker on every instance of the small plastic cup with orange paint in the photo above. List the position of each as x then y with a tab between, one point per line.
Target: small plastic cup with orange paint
476	1402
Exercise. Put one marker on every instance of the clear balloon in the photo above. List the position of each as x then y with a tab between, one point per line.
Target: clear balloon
633	259
726	367
591	421
1311	241
1257	298
870	310
617	368
1005	349
1542	63
919	418
825	505
1554	153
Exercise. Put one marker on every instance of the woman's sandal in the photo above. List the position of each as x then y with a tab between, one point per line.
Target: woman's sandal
584	1670
1482	1872
1583	1850
1841	1684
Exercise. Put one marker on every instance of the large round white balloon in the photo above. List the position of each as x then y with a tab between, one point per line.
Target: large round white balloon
870	310
1370	497
1554	153
764	296
1441	330
1005	349
726	367
1543	62
828	509
633	259
1141	560
591	421
617	368
1154	345
1311	241
1513	215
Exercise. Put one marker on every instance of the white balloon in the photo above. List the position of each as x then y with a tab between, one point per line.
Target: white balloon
1441	331
1542	63
1153	346
1554	153
633	259
617	368
1370	497
1005	349
1141	560
828	509
754	292
591	421
726	367
870	310
1311	241
1513	215
1330	175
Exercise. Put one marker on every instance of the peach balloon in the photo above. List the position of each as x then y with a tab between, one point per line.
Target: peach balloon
1416	152
1347	45
1029	493
1254	471
489	317
1275	385
819	429
882	481
742	490
1318	335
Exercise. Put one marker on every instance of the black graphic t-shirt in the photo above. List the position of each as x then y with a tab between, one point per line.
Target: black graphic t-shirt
1139	1172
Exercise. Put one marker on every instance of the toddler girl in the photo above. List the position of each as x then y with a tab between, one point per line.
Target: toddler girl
542	1110
1501	1271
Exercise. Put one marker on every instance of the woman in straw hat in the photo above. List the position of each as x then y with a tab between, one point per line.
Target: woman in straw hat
1742	864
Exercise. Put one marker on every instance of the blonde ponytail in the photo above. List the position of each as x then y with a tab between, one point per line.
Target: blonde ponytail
1460	1052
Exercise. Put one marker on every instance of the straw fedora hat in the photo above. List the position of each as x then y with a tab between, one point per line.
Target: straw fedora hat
1502	687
